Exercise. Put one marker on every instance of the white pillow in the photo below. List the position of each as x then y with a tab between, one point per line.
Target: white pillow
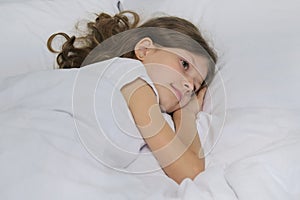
26	26
257	42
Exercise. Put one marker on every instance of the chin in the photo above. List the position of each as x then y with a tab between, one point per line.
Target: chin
167	108
163	108
171	110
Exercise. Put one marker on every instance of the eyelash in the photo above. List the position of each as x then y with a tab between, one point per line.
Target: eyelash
184	63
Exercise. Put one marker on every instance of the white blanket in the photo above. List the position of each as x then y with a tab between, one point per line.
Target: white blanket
257	157
41	157
41	154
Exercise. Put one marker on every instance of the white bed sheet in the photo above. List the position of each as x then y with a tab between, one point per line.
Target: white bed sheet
42	156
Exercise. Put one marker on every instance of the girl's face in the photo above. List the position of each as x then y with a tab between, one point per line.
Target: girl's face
176	73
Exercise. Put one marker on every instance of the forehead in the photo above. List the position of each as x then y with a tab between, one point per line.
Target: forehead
199	62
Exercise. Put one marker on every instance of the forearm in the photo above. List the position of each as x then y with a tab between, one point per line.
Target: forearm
177	159
186	130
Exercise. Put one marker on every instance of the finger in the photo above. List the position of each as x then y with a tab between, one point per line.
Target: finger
202	93
201	97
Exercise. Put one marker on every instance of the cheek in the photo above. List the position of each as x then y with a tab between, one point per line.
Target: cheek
166	96
168	100
162	74
165	93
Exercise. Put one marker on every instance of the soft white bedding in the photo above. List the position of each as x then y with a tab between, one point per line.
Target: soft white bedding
249	127
42	155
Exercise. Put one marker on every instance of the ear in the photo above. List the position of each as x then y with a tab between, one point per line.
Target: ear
143	47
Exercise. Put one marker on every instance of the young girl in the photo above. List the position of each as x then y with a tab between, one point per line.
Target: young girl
175	65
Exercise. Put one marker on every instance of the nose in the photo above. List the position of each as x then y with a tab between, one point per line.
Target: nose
188	84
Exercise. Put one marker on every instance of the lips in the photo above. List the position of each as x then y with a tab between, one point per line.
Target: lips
177	92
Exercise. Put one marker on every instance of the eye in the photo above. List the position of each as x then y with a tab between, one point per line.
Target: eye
185	64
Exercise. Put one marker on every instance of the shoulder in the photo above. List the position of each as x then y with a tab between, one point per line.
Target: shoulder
138	89
141	99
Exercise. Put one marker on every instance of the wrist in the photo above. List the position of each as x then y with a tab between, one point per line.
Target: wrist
184	112
181	115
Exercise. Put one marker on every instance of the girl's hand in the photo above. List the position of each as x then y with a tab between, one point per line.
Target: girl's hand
185	124
196	103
